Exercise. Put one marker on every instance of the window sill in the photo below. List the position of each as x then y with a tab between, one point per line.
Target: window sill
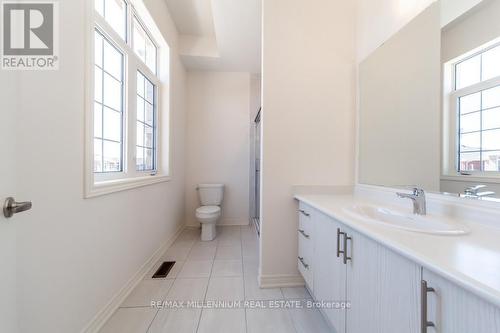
472	178
112	186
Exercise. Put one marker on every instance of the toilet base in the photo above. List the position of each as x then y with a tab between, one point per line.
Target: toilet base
208	231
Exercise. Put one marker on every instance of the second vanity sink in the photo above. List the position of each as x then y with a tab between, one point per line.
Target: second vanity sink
431	224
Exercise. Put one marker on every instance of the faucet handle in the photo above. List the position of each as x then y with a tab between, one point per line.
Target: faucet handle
472	190
418	192
476	187
415	192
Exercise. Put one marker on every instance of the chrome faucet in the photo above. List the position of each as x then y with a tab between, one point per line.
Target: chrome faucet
418	198
473	192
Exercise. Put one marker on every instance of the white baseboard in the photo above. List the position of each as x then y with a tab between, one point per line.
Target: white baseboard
280	281
104	314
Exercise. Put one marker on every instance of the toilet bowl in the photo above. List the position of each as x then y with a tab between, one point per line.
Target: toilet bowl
209	212
208	216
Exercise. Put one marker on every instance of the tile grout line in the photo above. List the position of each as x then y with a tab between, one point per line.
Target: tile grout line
151	323
174	279
208	284
158	314
170	287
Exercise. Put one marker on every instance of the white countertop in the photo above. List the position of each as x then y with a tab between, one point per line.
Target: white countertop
472	261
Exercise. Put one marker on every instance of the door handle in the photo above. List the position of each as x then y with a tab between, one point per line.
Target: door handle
424	323
338	243
346	257
11	207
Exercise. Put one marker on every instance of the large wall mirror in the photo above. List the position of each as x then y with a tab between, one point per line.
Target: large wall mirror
430	103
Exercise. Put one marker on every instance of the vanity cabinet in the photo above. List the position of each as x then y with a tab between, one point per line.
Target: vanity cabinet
343	265
387	292
455	310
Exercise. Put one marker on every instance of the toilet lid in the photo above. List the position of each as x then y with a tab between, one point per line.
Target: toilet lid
208	209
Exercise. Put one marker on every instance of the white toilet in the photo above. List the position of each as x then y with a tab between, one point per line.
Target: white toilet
211	196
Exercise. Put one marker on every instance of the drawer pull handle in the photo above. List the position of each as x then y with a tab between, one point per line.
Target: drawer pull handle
304	233
303	212
306	266
346	257
339	252
424	323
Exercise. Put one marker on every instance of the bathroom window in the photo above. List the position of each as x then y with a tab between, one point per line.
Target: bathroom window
127	86
146	124
475	113
144	46
115	13
108	106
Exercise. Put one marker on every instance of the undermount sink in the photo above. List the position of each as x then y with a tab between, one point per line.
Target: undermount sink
430	224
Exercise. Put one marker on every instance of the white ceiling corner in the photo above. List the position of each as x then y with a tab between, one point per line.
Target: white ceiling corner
219	35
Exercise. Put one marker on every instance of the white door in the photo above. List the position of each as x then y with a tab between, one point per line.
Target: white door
454	310
8	308
329	270
383	288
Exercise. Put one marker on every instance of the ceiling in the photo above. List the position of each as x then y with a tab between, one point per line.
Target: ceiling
219	35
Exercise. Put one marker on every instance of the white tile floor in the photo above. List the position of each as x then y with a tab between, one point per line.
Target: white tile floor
222	270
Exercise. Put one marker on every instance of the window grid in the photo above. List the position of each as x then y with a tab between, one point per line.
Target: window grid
480	132
142	122
101	6
478	121
113	81
480	55
101	139
142	51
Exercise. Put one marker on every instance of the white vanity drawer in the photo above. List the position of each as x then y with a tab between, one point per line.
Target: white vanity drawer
305	233
306	244
306	217
305	269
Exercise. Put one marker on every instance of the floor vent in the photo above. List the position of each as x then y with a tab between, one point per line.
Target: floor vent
163	270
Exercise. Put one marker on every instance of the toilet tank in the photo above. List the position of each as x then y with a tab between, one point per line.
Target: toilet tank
211	194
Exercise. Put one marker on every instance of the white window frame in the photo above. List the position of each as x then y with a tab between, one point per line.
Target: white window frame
97	184
451	97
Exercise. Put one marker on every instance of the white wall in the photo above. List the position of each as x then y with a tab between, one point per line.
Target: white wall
472	30
378	20
75	254
218	141
308	115
451	9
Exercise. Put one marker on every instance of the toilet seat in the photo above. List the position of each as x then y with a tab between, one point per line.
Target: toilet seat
208	211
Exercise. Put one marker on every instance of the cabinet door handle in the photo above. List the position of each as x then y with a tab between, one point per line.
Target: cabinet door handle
346	239
424	323
338	243
306	266
304	233
303	212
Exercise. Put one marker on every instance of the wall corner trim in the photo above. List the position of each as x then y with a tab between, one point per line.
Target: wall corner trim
109	309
